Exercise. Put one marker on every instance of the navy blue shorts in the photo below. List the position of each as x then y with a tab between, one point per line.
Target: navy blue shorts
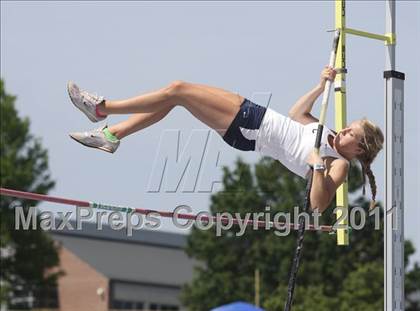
249	116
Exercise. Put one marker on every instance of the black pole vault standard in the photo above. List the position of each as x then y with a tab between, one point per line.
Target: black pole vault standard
301	231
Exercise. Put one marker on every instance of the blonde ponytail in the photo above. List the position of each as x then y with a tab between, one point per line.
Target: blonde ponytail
371	143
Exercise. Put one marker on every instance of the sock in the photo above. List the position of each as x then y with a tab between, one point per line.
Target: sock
98	113
108	135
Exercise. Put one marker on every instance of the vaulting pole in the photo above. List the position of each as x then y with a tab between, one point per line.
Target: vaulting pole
301	230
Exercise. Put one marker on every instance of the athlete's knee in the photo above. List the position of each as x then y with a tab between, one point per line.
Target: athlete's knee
175	88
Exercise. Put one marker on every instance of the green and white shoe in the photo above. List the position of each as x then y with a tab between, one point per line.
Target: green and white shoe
97	139
85	101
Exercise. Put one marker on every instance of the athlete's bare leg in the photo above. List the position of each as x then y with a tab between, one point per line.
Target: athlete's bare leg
215	107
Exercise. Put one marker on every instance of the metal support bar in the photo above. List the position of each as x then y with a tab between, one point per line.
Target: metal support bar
389	38
394	174
394	189
341	121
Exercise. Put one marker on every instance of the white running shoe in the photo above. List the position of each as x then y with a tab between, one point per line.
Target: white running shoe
85	101
96	139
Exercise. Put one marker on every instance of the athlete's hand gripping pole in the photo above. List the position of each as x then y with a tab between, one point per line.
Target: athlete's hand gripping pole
299	246
326	95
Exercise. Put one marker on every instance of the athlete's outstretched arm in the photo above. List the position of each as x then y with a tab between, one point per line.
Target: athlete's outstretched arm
301	110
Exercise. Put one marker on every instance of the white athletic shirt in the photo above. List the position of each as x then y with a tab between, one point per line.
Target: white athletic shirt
291	142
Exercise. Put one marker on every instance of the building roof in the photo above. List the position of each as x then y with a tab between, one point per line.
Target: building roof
151	257
142	236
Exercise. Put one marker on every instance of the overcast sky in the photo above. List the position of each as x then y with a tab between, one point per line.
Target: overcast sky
254	48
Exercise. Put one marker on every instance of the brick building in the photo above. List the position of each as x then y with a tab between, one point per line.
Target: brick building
107	270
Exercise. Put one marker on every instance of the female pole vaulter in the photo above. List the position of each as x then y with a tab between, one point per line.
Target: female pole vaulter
246	126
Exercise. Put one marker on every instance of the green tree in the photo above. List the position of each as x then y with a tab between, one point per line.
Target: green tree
28	256
330	277
361	289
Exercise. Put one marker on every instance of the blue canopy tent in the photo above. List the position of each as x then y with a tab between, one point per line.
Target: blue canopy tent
237	306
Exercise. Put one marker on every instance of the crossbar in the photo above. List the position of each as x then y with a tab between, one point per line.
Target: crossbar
168	214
